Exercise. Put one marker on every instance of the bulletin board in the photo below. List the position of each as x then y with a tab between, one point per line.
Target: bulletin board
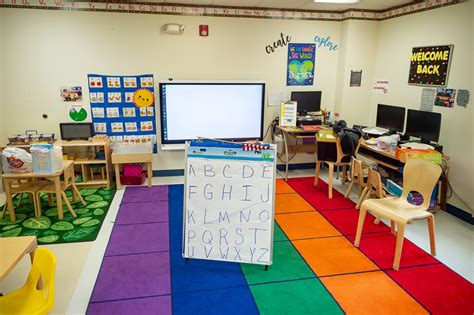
123	107
229	202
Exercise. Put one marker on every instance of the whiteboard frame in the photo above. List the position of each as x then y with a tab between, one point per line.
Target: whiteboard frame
272	147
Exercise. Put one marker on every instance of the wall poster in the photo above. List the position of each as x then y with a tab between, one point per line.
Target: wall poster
301	58
445	97
430	65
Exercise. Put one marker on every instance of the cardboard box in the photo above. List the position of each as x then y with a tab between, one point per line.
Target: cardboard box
404	154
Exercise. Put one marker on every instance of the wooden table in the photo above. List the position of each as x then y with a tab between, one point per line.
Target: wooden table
123	158
389	160
74	145
55	177
12	250
298	134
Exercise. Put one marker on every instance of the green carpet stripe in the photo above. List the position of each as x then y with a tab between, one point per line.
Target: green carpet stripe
289	286
287	265
294	297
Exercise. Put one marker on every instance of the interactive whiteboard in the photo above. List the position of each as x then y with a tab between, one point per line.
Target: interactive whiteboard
232	111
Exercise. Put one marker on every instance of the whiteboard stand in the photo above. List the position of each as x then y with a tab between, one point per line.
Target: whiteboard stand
229	202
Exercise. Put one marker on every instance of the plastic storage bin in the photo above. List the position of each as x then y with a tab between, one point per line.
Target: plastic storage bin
133	180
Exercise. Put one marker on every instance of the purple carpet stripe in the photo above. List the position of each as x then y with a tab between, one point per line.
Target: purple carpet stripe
142	212
145	194
135	274
138	238
152	305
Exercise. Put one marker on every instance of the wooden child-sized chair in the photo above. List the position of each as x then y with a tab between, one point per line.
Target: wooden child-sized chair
330	152
358	173
19	188
66	184
37	295
373	187
420	176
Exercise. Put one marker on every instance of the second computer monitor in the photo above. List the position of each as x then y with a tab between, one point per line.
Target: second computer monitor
307	101
390	117
424	125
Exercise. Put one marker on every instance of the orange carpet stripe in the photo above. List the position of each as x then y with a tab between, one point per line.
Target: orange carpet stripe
285	203
371	293
282	187
305	225
333	256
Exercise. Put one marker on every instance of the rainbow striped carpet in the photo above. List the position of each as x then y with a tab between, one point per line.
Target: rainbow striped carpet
316	269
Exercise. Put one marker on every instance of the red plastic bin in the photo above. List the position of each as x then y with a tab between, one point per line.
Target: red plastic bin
133	180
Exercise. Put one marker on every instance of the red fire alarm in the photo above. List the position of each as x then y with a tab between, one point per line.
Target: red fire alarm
203	30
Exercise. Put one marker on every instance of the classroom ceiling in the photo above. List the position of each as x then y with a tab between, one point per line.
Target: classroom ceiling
294	4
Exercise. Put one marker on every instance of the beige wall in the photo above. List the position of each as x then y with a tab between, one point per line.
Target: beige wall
359	51
449	25
47	49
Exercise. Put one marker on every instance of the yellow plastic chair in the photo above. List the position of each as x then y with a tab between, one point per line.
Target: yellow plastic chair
420	176
37	295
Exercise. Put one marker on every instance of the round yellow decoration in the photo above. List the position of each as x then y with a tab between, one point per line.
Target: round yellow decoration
143	98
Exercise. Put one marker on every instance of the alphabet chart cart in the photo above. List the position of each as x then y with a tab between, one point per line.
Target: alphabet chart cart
229	201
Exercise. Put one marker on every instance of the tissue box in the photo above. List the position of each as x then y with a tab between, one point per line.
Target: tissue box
404	154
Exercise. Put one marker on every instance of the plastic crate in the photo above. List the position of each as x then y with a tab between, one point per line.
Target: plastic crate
133	180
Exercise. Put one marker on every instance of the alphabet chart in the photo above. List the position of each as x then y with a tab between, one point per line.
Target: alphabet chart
229	202
117	114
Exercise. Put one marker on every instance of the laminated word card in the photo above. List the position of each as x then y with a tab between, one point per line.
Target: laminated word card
229	202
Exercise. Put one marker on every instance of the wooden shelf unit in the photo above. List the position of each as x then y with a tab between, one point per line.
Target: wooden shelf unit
86	164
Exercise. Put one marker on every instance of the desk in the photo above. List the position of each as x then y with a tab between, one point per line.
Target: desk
123	158
12	250
11	177
297	133
389	160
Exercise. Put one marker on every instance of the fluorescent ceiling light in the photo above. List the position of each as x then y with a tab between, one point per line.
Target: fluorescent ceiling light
336	1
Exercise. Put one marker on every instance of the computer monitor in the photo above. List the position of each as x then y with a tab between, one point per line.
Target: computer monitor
307	101
390	117
424	125
76	131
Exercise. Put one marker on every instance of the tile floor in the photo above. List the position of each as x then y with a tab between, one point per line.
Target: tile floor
79	263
